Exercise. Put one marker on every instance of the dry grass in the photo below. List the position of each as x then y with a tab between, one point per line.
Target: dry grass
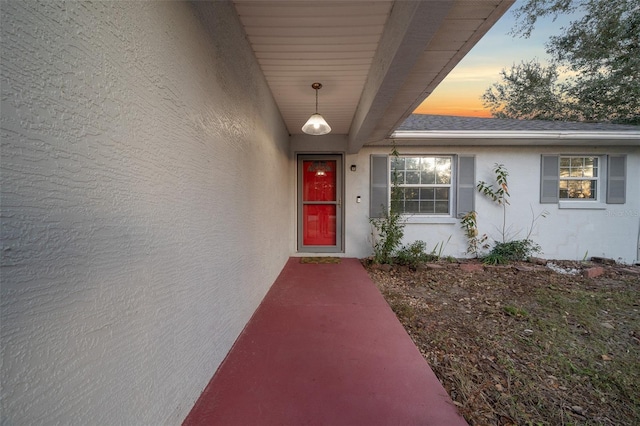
526	347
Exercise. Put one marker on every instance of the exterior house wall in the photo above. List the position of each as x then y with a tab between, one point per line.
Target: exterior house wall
564	234
145	201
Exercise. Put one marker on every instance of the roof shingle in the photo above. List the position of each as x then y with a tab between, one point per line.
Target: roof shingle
417	122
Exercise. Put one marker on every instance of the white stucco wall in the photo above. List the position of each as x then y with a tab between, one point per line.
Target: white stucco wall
145	206
563	234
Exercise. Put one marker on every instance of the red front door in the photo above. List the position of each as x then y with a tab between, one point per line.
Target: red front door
319	203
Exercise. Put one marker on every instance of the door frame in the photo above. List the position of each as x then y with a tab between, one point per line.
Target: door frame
339	247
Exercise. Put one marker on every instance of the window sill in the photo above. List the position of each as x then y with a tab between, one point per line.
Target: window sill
583	205
441	220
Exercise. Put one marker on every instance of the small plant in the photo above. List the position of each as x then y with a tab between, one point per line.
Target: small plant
534	219
515	311
470	226
508	250
499	195
517	250
439	248
413	254
493	259
388	230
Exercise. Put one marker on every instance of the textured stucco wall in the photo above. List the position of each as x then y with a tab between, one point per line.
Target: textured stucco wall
145	206
564	234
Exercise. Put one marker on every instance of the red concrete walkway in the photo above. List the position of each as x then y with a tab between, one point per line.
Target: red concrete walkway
324	348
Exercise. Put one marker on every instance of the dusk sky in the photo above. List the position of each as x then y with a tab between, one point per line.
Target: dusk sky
460	92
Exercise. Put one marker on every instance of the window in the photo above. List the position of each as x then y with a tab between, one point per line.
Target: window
424	183
578	178
437	187
571	180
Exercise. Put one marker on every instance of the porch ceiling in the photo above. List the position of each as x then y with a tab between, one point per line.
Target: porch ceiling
377	60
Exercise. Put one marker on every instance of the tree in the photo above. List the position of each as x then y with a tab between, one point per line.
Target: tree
598	55
528	91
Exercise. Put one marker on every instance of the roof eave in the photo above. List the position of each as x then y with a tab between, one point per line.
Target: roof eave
542	137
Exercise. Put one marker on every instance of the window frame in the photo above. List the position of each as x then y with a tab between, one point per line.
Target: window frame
464	197
612	181
451	186
600	165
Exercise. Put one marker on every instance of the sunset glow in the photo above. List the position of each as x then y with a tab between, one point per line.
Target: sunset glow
447	105
460	92
457	96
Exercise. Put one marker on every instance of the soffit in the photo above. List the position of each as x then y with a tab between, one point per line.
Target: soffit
465	24
377	60
298	43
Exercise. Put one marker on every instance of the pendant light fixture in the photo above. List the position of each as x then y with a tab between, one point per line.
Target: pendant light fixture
316	124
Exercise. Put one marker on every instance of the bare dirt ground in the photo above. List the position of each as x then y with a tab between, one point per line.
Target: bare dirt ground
523	344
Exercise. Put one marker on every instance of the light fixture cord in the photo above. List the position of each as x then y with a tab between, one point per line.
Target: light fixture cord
316	101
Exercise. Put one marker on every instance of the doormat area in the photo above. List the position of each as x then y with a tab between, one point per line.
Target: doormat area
320	260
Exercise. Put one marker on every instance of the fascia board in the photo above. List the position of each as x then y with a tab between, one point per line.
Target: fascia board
633	136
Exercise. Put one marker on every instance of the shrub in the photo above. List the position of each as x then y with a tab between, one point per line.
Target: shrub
389	231
511	251
474	241
413	254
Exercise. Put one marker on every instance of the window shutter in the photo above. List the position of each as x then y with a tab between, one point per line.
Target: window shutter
616	179
549	178
466	185
379	197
